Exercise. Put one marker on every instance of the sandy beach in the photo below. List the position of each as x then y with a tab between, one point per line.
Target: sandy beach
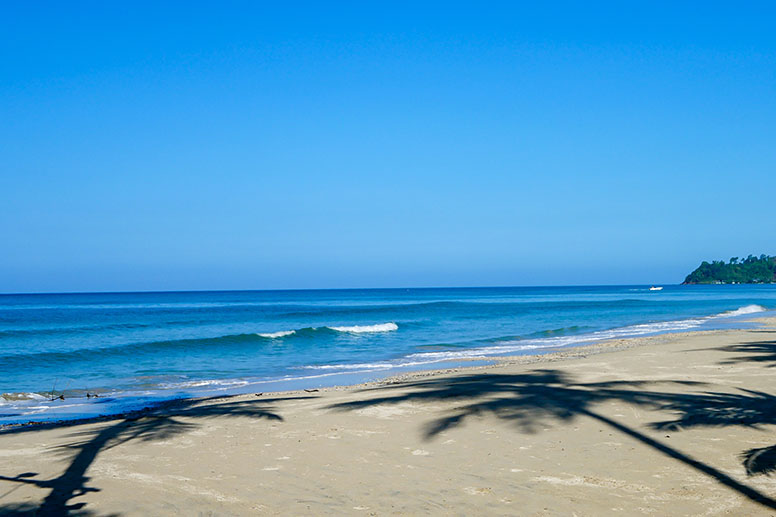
667	425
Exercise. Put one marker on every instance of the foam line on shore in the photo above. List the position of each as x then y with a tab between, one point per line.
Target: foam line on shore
35	406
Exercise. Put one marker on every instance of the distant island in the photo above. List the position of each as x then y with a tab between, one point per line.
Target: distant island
751	270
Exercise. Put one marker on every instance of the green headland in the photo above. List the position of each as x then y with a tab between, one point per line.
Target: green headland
751	270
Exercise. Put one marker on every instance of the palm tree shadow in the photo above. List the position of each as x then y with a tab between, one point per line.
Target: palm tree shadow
757	352
535	400
747	408
160	423
760	461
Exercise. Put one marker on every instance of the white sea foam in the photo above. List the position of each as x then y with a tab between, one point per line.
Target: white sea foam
25	406
12	397
357	366
360	329
216	383
473	352
521	345
368	366
747	309
273	335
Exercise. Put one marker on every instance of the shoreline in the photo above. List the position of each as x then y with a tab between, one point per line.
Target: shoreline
547	355
669	424
29	400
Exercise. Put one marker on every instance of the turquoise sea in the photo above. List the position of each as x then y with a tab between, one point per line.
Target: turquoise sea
134	349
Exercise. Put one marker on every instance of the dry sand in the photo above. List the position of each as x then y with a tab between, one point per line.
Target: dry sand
670	425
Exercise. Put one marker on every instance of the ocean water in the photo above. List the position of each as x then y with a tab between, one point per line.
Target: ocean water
137	348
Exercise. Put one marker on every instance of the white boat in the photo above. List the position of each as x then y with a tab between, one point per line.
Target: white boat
653	288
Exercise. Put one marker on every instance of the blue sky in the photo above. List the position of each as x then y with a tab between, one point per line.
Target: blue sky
312	145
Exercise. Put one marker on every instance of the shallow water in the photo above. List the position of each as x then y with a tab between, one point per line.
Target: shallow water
133	348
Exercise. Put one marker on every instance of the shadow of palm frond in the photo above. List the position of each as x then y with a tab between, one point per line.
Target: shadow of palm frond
760	461
748	408
757	352
531	401
159	423
165	423
536	399
33	510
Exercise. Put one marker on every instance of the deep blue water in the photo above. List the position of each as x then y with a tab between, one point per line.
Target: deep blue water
136	346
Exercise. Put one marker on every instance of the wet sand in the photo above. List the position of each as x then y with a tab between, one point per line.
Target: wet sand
668	425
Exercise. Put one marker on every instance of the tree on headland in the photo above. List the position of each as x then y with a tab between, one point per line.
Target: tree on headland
751	270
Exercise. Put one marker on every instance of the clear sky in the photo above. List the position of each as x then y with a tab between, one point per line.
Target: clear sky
303	145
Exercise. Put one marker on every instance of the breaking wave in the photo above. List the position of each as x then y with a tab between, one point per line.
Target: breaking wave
186	345
275	335
541	340
747	309
362	329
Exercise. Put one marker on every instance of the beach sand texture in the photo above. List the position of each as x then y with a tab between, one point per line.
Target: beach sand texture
667	425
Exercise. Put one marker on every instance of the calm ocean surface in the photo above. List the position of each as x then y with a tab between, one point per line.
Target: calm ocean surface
137	348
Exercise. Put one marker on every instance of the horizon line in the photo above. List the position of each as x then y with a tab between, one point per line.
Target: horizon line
151	291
